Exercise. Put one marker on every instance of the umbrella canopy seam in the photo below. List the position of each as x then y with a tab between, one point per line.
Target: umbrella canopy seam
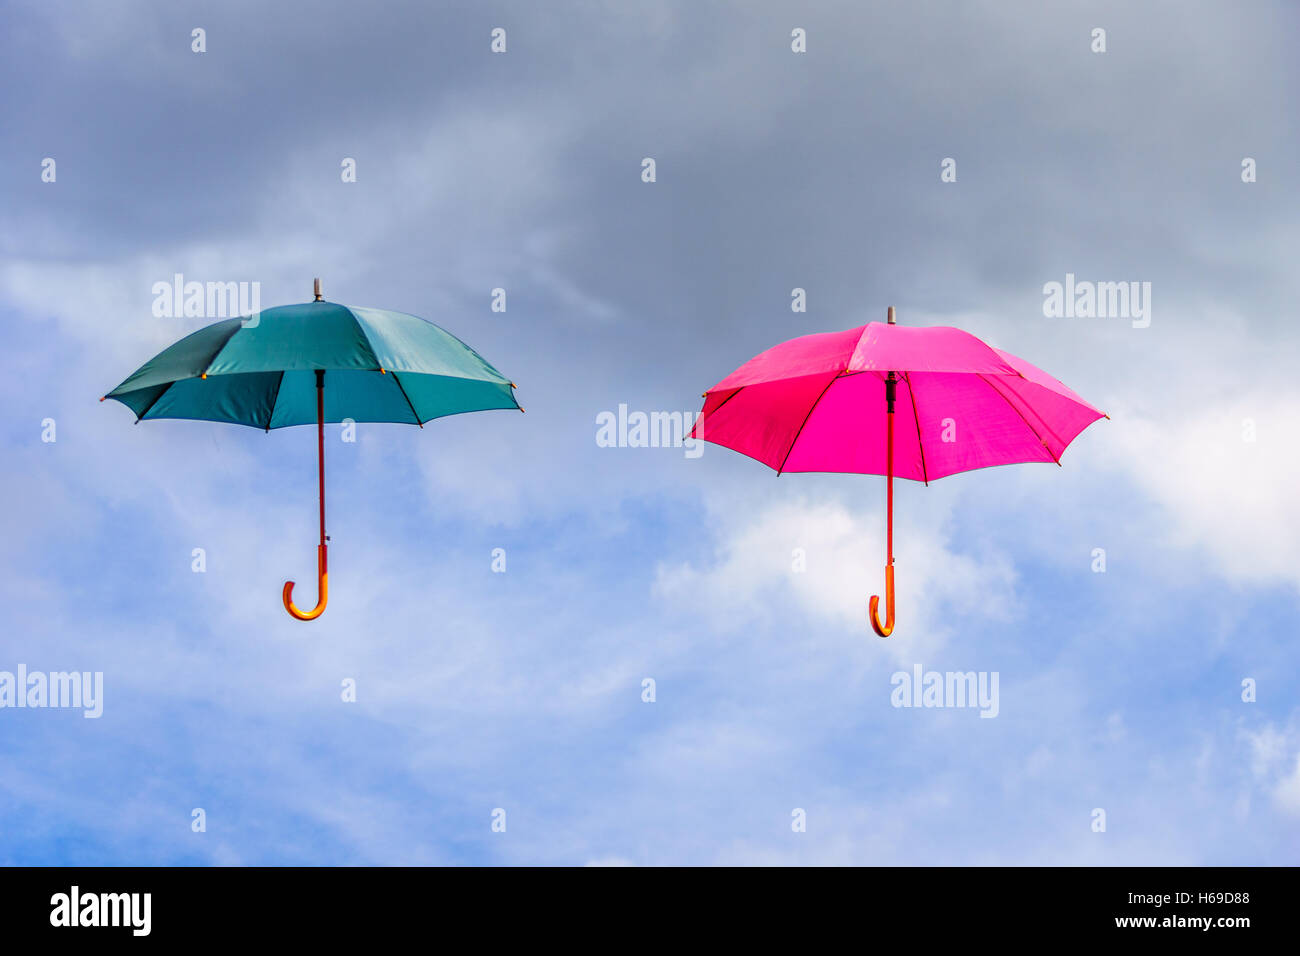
402	389
148	408
270	417
221	348
916	419
811	408
1042	441
365	337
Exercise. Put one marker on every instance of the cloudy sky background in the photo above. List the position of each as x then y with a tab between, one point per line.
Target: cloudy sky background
522	690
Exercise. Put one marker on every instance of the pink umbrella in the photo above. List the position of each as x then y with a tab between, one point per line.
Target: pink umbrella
826	403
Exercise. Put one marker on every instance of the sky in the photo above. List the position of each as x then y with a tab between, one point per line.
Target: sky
499	716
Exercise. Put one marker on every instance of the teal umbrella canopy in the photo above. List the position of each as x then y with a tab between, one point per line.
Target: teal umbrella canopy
379	366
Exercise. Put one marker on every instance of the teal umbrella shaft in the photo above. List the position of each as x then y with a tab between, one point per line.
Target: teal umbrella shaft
322	550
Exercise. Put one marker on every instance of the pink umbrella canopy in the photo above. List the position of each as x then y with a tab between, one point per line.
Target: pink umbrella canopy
883	399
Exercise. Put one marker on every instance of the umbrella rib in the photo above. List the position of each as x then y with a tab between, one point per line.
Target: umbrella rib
1031	428
365	337
1042	421
148	408
811	409
699	421
208	364
916	419
239	324
270	417
408	400
727	399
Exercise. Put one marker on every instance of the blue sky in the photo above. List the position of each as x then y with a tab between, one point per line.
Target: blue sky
522	690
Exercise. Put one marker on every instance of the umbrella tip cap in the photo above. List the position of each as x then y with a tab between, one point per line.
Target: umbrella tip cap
890	316
315	288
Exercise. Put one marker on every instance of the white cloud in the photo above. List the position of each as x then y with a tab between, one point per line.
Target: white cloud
1232	498
1275	764
844	556
1287	791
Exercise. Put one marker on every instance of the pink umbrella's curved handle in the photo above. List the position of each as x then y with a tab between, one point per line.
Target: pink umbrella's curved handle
323	586
888	627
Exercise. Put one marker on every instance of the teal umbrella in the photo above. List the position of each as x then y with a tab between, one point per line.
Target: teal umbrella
316	362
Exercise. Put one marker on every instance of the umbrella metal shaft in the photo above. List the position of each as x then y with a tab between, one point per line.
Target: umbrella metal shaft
891	396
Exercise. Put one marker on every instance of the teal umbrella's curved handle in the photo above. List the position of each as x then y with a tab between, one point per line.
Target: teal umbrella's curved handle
323	586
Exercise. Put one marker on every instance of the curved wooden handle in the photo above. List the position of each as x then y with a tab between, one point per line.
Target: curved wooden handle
323	585
888	627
